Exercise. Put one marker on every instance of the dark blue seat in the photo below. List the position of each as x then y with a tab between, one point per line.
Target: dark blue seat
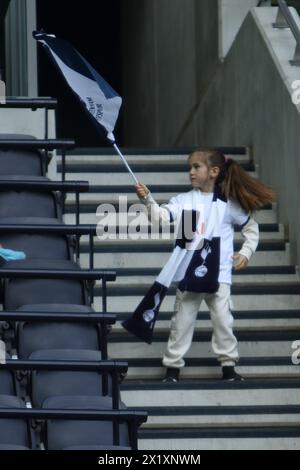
28	203
7	383
36	245
18	292
13	432
21	161
62	434
50	383
36	336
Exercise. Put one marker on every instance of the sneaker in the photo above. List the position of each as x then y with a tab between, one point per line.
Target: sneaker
231	375
172	375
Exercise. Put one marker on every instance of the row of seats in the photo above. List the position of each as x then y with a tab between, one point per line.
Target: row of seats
58	390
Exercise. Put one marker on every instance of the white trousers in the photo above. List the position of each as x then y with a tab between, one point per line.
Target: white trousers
187	304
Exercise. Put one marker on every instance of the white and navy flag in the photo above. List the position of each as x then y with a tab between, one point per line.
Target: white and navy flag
96	95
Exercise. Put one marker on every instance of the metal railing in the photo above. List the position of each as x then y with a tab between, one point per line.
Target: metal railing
264	3
285	20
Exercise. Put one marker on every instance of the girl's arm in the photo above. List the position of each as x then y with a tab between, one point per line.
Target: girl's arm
156	213
250	232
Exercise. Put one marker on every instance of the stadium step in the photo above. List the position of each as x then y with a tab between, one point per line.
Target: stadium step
201	414
252	302
201	411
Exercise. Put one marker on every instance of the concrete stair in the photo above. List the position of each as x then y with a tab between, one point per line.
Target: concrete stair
200	412
213	415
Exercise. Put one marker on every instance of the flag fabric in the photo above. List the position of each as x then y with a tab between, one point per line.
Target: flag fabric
95	94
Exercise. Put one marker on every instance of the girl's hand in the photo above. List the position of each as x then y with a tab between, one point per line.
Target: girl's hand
142	191
241	262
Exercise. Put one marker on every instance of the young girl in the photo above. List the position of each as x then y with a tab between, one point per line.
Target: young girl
215	179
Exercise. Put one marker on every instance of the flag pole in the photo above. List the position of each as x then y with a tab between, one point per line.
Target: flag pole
112	140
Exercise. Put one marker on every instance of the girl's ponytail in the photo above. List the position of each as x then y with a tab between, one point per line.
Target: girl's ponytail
249	192
236	184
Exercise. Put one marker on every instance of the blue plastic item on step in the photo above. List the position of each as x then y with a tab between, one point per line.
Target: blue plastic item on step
11	255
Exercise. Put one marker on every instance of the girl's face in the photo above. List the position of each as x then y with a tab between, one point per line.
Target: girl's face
200	174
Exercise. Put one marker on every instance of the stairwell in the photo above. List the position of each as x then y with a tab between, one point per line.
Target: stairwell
200	412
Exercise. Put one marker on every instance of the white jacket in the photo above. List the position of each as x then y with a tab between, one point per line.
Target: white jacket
234	215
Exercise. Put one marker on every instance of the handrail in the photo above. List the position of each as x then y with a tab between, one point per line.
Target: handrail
48	144
91	415
44	186
61	229
106	319
284	20
62	365
33	103
265	3
74	274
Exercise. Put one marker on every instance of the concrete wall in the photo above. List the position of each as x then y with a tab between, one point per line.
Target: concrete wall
231	16
171	49
249	103
139	106
170	52
21	55
26	121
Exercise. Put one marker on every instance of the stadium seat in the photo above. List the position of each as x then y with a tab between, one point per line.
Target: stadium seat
21	161
28	203
18	291
13	432
36	245
36	336
62	434
56	335
50	383
7	382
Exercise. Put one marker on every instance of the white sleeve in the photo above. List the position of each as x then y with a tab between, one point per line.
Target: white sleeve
249	228
164	214
238	216
250	232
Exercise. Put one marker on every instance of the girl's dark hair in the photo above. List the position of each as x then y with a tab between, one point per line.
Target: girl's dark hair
236	184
